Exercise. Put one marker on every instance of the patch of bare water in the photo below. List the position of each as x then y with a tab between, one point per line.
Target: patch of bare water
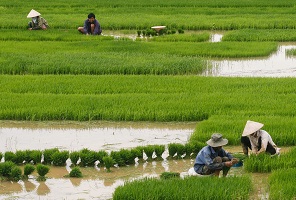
276	65
94	136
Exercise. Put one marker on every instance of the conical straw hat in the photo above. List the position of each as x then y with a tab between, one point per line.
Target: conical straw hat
252	127
33	13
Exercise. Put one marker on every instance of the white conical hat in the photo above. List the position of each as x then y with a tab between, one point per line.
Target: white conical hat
33	13
252	127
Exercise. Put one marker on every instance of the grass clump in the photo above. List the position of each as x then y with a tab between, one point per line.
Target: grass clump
28	169
190	187
42	170
75	172
108	162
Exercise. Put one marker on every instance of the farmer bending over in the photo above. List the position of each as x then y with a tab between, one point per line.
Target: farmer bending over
257	140
212	158
91	26
37	23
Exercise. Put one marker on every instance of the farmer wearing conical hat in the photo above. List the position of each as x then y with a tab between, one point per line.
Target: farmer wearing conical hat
37	23
212	158
257	140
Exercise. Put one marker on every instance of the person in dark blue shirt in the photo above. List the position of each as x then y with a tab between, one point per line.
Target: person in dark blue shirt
212	158
91	26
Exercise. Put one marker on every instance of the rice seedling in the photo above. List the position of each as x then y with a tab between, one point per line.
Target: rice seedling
9	156
28	169
47	155
87	157
282	184
59	158
20	157
169	175
191	187
265	163
75	172
108	162
42	170
74	157
36	156
15	174
263	35
5	168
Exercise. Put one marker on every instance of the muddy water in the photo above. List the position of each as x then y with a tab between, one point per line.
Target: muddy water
96	183
276	65
94	136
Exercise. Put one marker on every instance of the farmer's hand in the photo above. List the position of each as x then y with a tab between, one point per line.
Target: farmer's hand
234	160
228	164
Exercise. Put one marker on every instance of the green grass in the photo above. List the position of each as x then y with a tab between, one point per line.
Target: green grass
282	185
223	104
263	35
189	188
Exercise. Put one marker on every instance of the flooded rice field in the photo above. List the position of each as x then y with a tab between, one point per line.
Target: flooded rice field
93	135
276	65
96	182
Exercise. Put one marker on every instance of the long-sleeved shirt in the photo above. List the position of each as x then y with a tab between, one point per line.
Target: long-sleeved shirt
206	155
87	27
265	139
40	23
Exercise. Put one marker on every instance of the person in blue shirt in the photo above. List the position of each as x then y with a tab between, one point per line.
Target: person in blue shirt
212	158
91	26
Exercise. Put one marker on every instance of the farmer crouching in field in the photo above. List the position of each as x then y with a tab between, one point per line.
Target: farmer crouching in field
91	26
212	158
257	140
37	23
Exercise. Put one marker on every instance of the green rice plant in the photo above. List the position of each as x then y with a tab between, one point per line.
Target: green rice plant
47	154
266	163
191	187
118	158
192	149
108	162
169	175
281	184
42	170
36	156
74	157
137	152
20	157
75	172
175	148
9	156
15	174
100	155
159	149
60	158
263	35
28	169
6	167
87	157
149	149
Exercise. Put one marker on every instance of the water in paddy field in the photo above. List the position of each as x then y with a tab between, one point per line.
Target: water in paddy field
276	65
96	136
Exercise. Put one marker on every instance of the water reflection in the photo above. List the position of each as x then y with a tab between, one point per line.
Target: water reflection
111	136
276	65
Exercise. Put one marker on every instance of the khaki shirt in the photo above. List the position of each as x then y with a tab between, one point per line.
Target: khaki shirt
41	23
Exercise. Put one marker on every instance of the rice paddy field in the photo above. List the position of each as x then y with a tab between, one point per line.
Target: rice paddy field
128	75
